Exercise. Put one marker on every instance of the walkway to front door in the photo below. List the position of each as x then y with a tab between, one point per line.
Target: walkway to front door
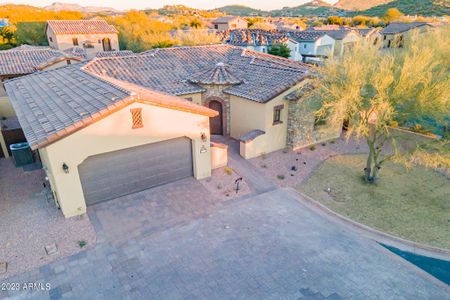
216	123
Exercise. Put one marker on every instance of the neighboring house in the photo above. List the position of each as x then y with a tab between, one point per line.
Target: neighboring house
343	36
394	34
310	46
285	26
18	62
254	39
4	23
120	124
229	22
92	35
371	35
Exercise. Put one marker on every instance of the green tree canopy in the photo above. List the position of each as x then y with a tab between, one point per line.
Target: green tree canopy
374	89
279	50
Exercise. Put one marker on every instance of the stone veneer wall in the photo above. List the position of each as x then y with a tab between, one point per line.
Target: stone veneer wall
216	91
300	127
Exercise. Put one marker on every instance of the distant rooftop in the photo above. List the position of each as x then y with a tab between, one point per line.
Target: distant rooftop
396	27
80	26
253	37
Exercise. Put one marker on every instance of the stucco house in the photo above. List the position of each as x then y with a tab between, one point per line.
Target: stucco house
120	124
395	34
92	35
344	37
309	46
18	62
229	23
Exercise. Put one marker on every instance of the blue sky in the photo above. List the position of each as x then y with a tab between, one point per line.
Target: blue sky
138	4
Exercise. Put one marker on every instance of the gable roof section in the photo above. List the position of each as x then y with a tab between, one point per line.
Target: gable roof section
53	104
26	60
253	37
397	27
169	70
306	36
80	26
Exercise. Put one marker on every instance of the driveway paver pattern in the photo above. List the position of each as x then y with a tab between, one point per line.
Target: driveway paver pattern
268	246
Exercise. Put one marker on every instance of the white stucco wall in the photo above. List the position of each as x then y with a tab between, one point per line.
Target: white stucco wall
115	132
64	41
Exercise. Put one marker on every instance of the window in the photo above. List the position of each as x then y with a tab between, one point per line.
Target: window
136	117
304	46
277	114
69	62
188	98
50	39
75	41
384	38
216	26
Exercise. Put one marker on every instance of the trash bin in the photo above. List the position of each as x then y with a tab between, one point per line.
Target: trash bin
21	153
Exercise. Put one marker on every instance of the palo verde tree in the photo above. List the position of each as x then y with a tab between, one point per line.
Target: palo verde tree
375	89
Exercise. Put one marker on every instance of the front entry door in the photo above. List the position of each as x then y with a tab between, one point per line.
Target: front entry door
215	123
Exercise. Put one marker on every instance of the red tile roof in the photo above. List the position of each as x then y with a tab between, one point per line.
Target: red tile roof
80	26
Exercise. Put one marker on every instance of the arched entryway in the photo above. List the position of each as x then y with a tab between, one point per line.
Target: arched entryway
106	44
216	123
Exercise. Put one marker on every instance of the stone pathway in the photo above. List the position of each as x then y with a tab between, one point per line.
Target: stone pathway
264	247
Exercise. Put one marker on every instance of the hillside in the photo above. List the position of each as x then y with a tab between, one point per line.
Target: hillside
358	4
412	7
241	10
59	6
313	8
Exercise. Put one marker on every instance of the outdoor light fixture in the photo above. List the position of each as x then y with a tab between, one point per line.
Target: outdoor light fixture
65	168
203	136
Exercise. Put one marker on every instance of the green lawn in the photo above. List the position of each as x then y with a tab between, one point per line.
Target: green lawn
413	204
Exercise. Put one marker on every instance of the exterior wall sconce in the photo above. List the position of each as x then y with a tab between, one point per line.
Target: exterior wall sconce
203	137
65	168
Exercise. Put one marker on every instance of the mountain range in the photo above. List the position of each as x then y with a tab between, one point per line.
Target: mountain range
349	8
312	8
59	6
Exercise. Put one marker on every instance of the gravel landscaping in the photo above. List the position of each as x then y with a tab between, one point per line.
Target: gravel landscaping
289	168
222	185
29	223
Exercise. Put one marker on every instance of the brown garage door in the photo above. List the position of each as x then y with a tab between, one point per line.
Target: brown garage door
114	174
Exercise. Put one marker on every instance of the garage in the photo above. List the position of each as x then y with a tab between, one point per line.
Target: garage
110	175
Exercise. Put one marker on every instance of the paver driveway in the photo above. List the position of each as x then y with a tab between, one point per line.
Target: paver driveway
265	246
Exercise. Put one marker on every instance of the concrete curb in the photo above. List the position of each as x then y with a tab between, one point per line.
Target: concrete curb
372	233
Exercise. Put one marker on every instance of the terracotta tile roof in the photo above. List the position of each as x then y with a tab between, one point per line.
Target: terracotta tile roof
53	104
80	26
81	52
28	59
169	70
253	37
218	74
397	27
115	53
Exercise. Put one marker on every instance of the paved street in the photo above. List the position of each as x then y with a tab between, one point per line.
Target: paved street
263	247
